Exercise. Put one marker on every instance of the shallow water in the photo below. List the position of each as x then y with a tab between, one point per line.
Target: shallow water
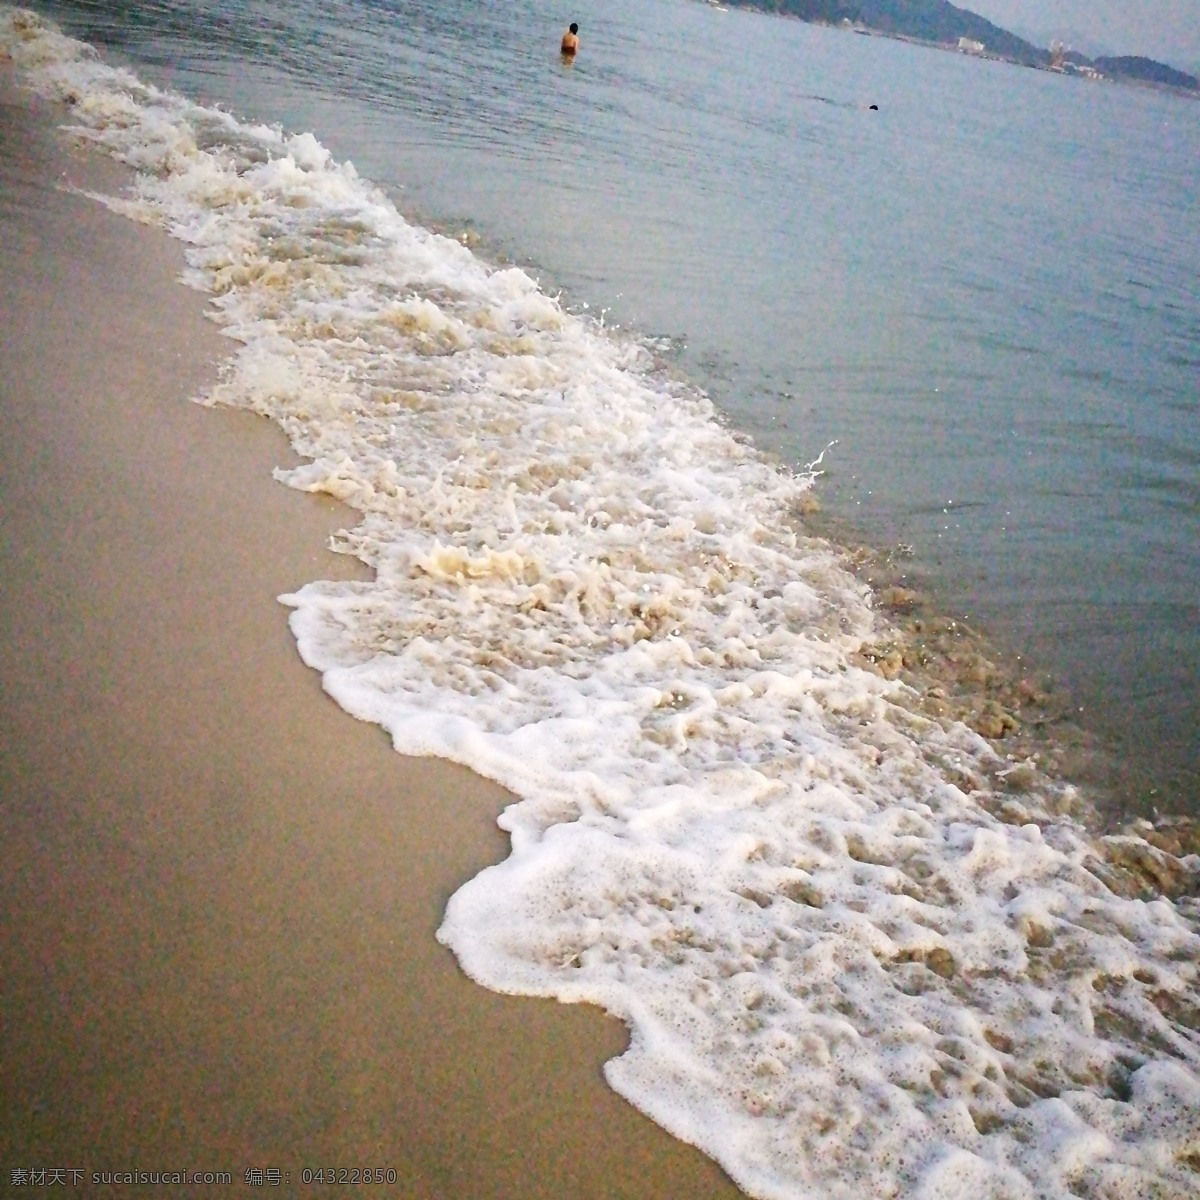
985	292
859	950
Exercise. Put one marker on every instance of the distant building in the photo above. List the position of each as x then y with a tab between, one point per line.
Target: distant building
967	46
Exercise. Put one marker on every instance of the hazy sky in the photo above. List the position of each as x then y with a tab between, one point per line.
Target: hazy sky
1168	30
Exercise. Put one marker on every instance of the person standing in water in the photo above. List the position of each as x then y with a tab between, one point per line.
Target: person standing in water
570	41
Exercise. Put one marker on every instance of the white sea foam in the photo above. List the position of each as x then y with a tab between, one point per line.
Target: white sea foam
843	977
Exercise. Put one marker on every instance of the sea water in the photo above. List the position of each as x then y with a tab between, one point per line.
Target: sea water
859	950
983	291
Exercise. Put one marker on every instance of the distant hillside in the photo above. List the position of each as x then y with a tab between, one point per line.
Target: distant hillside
1146	70
942	22
939	21
927	20
828	11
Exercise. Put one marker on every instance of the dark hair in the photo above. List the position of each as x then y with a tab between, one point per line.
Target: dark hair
574	27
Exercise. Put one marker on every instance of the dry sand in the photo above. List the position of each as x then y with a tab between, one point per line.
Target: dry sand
218	892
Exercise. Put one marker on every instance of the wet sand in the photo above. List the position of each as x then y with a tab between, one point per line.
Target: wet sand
219	892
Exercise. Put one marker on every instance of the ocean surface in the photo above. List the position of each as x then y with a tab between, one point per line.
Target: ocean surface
983	293
582	342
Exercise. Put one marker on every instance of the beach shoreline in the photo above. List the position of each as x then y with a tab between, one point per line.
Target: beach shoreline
963	671
221	891
226	910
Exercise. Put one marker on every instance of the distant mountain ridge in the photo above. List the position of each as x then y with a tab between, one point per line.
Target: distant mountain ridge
1127	66
941	22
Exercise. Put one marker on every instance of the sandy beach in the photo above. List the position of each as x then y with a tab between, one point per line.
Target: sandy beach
219	892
